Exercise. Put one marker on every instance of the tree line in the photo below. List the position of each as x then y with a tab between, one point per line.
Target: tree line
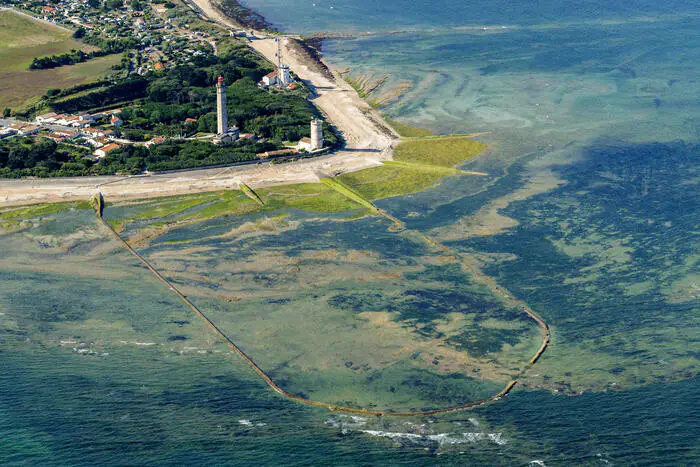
106	47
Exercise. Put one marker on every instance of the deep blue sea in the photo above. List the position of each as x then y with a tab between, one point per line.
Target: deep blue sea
590	215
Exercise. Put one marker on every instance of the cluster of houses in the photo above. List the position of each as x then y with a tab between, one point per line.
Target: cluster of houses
162	37
66	128
80	120
78	13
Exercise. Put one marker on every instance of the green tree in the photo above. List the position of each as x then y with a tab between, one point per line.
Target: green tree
114	4
6	112
93	3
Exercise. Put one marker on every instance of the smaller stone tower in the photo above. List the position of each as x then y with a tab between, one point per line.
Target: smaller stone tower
316	134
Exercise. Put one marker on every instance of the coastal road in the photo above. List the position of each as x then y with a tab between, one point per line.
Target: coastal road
114	188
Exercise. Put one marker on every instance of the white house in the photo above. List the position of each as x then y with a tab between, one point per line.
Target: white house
104	150
46	118
304	144
270	79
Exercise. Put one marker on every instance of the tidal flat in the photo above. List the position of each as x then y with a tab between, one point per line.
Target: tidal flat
329	314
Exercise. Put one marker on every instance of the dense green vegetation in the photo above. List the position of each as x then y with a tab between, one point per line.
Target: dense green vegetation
176	103
107	47
174	155
21	157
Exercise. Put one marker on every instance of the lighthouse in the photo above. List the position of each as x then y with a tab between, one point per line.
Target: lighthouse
224	134
221	114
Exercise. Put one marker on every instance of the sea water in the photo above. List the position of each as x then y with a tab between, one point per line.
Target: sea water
589	215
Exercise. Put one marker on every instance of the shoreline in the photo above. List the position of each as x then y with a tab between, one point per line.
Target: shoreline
369	140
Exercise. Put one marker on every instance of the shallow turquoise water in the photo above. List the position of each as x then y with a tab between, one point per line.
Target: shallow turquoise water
601	97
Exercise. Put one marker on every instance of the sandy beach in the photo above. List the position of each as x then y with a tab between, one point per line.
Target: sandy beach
369	141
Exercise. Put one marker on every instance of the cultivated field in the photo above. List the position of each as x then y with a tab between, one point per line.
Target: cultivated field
22	39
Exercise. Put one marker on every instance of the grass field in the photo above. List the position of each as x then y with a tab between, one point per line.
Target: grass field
443	152
406	130
419	165
22	39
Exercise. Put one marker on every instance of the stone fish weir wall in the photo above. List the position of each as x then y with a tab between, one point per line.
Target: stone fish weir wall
98	204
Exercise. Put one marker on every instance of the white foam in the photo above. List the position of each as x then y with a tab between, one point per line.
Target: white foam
474	421
441	438
391	434
68	342
245	422
537	462
497	438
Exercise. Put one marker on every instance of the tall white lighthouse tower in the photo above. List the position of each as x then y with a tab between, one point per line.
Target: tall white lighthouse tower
224	134
221	114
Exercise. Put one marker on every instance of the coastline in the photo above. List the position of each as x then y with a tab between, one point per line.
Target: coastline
369	141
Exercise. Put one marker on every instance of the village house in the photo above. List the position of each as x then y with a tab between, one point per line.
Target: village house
67	133
86	118
46	118
92	132
24	129
55	137
156	140
74	121
104	150
305	144
269	79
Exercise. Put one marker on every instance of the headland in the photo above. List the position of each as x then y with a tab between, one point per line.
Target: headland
369	141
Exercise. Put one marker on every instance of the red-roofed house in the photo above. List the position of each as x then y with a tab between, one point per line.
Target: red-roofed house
55	136
270	79
104	150
156	140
